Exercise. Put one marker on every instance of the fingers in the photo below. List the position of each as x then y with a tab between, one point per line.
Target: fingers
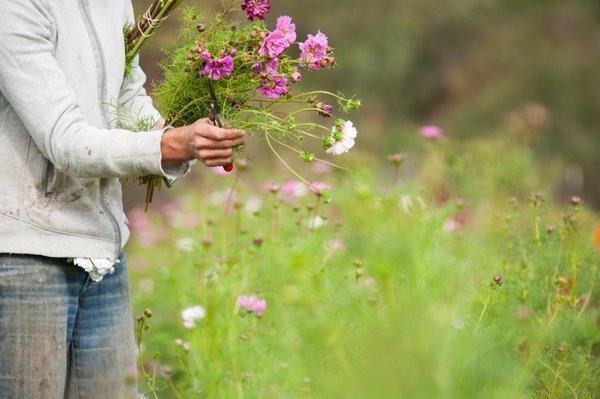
217	162
216	133
216	153
228	143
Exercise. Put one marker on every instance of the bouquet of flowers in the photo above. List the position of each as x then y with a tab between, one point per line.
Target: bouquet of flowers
252	71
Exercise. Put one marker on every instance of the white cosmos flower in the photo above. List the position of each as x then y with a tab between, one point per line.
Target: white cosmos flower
189	316
185	244
253	205
342	138
316	223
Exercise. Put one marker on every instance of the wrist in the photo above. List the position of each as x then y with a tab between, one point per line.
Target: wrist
174	146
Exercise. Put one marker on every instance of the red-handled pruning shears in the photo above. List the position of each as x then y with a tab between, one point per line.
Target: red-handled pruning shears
215	116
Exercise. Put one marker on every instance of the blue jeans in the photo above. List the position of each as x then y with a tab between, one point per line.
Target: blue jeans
63	335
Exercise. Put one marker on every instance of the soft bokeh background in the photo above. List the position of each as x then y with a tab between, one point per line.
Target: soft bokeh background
473	67
472	273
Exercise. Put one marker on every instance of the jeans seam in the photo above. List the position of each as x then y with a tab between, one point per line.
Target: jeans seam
73	376
85	285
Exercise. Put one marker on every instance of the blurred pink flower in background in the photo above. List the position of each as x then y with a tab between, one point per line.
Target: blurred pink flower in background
336	245
191	220
251	304
452	225
431	132
318	187
219	171
321	168
139	224
271	187
293	189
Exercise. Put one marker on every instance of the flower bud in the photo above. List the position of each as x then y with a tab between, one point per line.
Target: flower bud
148	313
397	159
575	200
498	280
207	242
550	228
258	241
242	164
200	28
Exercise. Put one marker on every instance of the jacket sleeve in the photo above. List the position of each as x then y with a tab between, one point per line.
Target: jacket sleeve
36	87
138	103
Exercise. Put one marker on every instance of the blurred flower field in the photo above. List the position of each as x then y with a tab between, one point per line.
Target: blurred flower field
464	278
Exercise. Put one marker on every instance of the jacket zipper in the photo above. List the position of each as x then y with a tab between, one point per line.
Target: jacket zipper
101	71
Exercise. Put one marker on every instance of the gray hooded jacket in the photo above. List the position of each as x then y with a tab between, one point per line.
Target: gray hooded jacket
61	74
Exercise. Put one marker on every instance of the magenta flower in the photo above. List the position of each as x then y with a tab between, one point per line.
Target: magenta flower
251	304
216	69
313	51
274	44
317	188
287	28
270	67
431	132
256	9
325	110
274	87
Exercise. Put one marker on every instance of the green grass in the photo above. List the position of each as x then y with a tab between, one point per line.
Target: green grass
498	309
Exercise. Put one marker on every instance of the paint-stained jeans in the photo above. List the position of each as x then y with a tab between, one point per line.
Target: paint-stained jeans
63	335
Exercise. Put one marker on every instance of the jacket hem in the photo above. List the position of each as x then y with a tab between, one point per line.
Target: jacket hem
20	237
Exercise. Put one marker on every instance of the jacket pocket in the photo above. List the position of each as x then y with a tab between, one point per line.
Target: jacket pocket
48	178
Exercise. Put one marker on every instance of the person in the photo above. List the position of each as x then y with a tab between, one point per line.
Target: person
64	332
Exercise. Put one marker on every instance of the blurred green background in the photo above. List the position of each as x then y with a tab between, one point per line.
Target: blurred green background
473	67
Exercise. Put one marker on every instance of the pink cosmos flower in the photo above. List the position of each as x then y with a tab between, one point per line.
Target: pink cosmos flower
313	51
274	87
431	132
256	9
274	44
251	304
216	69
317	188
287	28
270	67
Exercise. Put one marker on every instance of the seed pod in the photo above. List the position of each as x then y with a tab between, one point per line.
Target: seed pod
148	313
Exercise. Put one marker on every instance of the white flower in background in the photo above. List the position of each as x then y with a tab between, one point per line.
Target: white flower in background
190	316
316	223
185	244
253	205
408	204
342	139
